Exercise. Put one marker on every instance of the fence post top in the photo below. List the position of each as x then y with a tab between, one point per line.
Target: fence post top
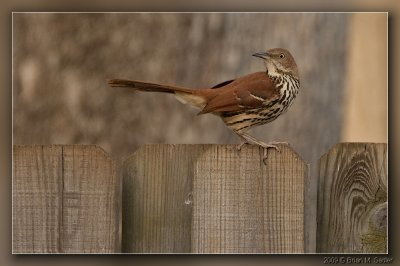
339	145
95	147
205	147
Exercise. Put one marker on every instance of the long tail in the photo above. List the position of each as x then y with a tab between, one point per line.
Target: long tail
184	95
146	86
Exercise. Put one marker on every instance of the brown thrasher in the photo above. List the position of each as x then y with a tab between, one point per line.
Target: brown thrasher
242	103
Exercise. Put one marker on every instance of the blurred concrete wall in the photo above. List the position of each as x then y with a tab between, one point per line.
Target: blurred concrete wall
62	61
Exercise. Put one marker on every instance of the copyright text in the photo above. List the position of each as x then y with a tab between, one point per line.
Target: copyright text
357	260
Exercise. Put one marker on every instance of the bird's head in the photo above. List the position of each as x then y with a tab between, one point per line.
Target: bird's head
278	60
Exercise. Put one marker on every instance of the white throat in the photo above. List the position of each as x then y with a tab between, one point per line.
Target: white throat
272	69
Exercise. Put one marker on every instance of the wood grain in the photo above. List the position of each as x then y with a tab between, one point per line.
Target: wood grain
352	199
244	206
65	200
157	193
213	199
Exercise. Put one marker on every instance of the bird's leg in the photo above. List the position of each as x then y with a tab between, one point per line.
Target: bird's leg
239	147
244	142
252	140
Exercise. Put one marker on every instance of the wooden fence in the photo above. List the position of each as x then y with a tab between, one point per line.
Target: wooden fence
196	199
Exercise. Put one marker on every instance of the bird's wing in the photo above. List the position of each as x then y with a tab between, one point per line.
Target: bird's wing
244	93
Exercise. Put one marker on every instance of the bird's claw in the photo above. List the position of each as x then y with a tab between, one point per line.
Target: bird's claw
247	139
239	147
265	151
265	148
279	143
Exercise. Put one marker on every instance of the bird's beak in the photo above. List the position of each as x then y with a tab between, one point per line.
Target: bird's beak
263	55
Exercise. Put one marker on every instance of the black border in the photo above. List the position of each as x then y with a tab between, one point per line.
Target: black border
260	6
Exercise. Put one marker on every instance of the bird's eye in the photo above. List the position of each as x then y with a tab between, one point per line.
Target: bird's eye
281	56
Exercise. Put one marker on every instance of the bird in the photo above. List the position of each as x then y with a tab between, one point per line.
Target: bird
242	103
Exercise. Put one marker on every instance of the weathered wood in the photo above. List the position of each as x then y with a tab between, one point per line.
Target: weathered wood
352	199
213	199
157	187
65	200
244	206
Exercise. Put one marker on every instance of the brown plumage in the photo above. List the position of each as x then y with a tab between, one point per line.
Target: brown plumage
242	103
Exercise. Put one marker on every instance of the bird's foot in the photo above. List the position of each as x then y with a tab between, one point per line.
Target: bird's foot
247	139
272	144
267	146
239	147
279	143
